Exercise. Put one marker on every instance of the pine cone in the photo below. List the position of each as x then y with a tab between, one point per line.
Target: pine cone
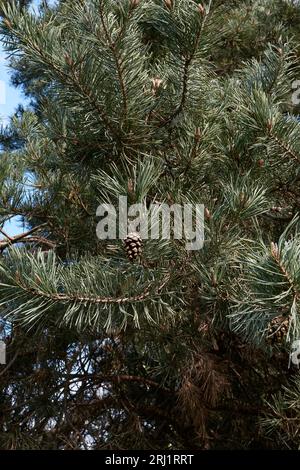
133	245
278	329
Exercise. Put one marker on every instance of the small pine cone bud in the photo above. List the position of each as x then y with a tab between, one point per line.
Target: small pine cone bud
243	199
156	83
69	60
274	250
134	3
276	209
269	125
261	162
170	199
7	23
169	4
214	281
201	9
278	329
207	214
133	245
197	134
130	186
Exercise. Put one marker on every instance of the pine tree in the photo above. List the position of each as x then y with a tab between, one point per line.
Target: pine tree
160	101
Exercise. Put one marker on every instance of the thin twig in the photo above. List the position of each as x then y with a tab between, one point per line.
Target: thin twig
20	238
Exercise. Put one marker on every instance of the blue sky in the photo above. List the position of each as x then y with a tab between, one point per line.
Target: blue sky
10	97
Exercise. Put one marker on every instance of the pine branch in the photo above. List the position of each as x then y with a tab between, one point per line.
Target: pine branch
118	62
285	147
11	362
276	256
187	63
23	238
5	234
96	300
124	378
71	79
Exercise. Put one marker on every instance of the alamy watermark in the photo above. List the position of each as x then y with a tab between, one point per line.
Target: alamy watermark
294	357
2	352
154	221
296	93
